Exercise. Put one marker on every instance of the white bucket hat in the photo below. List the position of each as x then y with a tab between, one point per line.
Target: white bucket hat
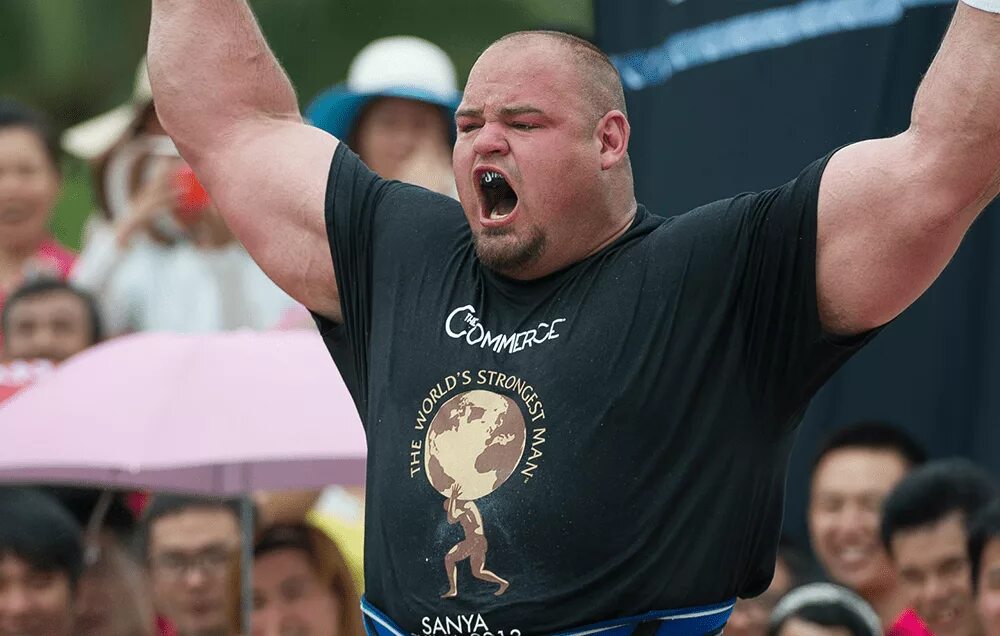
397	66
95	137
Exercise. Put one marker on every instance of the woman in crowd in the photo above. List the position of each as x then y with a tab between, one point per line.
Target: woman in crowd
301	585
396	110
113	598
157	255
29	187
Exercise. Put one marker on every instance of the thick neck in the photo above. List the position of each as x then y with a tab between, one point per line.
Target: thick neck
606	234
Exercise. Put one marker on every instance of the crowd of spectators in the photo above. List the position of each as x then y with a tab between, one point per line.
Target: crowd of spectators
900	543
156	256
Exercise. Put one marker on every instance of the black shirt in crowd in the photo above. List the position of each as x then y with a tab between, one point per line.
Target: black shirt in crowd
608	440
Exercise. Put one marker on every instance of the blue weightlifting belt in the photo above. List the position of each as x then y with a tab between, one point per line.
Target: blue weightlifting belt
690	621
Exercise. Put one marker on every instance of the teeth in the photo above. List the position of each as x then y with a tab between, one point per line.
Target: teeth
490	177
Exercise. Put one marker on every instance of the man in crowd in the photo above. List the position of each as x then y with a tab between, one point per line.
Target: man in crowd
854	471
984	556
41	560
190	545
924	529
617	392
49	319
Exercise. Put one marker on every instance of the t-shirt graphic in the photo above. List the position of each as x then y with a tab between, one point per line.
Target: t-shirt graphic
605	441
473	445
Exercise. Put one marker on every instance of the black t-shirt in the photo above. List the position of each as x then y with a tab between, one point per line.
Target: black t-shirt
609	440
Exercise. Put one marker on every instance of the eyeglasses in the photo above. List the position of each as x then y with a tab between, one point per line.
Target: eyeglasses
213	562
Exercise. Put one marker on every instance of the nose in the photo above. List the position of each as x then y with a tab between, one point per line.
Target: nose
490	140
43	339
195	577
935	590
853	520
8	182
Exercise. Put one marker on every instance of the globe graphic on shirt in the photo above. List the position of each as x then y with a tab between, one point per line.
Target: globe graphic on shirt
474	444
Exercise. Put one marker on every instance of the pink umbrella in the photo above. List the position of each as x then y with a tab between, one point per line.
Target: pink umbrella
220	414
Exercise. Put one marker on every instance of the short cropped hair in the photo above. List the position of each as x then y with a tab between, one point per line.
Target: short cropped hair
46	285
14	114
873	435
602	82
168	505
36	529
933	492
983	528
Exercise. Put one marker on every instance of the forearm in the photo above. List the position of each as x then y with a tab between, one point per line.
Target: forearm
956	114
211	71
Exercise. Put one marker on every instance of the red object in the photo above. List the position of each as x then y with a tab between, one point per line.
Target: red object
17	375
137	502
164	628
192	198
909	624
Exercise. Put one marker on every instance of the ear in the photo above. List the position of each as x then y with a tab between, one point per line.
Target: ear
613	133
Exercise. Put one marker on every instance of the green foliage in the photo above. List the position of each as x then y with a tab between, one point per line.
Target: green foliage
77	58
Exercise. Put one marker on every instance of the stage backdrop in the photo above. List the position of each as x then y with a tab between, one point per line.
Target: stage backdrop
727	96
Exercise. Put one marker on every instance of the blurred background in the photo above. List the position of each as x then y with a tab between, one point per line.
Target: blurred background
724	96
77	59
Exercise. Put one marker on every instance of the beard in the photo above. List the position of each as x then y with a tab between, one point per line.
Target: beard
502	251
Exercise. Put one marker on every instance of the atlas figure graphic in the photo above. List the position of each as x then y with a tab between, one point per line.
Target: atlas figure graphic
473	547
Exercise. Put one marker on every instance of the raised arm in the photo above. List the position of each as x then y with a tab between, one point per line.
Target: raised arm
224	99
892	212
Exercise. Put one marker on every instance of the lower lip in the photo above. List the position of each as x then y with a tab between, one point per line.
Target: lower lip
486	221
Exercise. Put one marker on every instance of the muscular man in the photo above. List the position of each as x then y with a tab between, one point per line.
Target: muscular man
656	368
473	547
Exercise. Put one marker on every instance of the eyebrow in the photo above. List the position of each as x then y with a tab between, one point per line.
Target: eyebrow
507	111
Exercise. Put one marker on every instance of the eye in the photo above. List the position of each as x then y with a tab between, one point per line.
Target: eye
520	125
468	127
41	580
27	170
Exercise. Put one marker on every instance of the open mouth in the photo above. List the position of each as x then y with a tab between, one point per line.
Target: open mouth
499	198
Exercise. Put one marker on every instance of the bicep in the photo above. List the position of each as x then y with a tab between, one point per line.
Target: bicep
269	181
890	218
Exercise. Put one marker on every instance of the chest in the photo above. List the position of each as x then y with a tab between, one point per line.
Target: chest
604	360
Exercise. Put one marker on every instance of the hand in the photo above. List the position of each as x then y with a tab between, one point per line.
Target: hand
429	166
209	230
153	198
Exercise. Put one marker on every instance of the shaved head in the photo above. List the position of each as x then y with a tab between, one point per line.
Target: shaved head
599	79
544	111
